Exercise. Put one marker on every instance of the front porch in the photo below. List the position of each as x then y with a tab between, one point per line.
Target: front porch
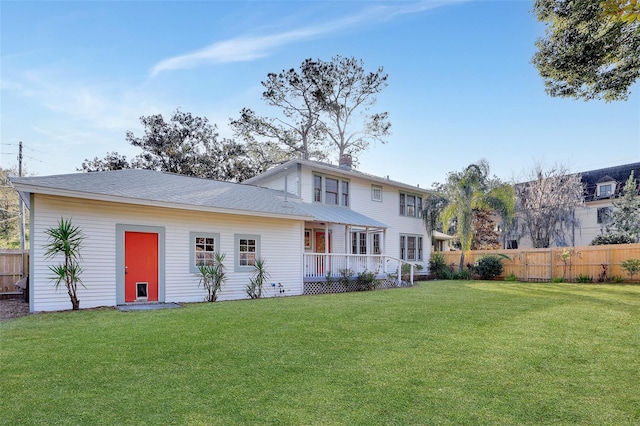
337	273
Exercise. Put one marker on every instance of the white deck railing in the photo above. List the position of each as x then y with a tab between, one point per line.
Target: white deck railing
317	266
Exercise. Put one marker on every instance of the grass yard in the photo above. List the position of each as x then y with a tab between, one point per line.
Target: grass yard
447	352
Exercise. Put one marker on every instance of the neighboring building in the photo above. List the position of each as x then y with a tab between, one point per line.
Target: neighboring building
147	231
601	188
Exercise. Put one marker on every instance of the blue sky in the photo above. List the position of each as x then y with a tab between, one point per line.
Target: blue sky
75	76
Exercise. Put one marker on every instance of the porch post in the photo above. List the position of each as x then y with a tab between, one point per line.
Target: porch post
328	266
347	244
367	249
383	249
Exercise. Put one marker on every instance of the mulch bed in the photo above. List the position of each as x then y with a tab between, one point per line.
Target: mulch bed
13	308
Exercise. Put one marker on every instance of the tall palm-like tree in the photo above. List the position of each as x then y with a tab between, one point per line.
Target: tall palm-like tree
464	191
66	239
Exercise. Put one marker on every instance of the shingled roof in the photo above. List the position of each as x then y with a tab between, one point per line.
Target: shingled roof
618	174
148	187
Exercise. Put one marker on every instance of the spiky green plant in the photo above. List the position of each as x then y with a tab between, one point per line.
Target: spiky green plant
66	239
212	277
257	281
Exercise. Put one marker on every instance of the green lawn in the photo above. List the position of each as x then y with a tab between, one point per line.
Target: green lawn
447	352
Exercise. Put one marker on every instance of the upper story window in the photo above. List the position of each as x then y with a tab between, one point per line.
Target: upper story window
330	190
376	192
345	193
410	205
605	190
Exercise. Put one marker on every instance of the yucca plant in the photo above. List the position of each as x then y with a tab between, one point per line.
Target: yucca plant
66	239
212	277
257	281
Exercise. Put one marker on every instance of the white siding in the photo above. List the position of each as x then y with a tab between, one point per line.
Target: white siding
387	211
281	247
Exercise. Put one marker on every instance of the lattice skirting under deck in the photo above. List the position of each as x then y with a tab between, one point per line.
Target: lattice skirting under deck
323	287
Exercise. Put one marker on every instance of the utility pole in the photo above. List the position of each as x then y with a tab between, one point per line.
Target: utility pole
21	204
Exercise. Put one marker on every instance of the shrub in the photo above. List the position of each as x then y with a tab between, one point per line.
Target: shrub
438	267
617	279
511	277
556	280
602	276
465	274
613	238
584	279
488	267
366	281
632	266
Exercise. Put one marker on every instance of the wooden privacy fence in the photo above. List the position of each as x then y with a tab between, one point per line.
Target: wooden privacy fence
12	265
542	265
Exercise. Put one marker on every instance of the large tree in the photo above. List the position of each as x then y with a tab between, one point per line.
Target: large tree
324	107
589	51
185	145
546	205
347	93
463	193
298	131
111	161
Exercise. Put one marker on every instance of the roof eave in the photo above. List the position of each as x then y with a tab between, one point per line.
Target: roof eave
25	189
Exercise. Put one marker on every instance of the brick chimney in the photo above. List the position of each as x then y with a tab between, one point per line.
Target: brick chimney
345	162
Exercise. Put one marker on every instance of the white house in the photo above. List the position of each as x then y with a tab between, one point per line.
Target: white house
601	188
146	231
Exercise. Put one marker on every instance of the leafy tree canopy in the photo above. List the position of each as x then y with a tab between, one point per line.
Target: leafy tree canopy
185	145
590	49
324	108
465	192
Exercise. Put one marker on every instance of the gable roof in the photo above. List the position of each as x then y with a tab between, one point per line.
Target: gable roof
153	188
335	170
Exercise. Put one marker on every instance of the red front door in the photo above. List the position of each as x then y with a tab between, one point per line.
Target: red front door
141	266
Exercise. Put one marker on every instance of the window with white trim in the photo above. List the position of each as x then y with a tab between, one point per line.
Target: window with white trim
411	247
202	249
376	192
605	190
330	190
410	205
359	243
375	244
247	250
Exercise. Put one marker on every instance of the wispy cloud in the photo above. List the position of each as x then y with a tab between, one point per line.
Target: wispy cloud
249	48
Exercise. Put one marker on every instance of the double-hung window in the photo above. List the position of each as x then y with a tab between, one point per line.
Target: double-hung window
410	205
376	192
411	247
330	190
359	243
